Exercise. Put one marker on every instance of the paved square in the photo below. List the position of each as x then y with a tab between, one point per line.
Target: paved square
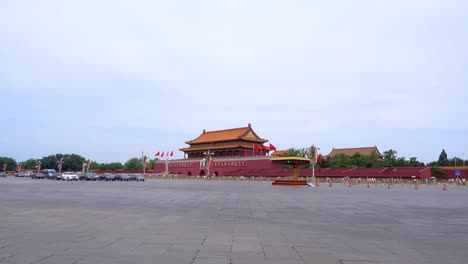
202	222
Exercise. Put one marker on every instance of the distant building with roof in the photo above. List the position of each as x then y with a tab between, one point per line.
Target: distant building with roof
368	151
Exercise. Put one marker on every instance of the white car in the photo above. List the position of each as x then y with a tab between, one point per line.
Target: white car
70	176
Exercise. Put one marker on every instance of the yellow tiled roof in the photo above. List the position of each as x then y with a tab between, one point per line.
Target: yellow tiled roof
351	151
242	133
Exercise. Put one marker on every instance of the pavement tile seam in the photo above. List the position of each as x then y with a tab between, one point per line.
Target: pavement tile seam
42	259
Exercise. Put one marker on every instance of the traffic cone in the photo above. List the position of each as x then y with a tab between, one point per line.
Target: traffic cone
368	184
445	187
389	186
349	183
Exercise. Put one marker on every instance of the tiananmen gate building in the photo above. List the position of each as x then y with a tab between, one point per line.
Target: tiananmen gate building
241	152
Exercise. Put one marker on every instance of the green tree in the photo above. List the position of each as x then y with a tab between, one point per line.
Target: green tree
413	162
373	161
340	161
364	161
443	160
437	172
151	163
72	162
29	164
133	164
115	166
401	162
94	166
10	163
390	158
455	161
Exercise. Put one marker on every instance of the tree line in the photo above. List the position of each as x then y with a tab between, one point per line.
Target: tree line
73	162
390	159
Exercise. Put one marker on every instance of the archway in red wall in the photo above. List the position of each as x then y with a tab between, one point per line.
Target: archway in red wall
202	173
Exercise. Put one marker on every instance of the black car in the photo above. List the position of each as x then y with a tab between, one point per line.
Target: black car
2	174
55	176
87	176
23	174
136	177
106	177
38	175
121	177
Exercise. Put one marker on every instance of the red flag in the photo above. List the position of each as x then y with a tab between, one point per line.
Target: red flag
263	148
162	154
172	153
272	147
319	159
146	164
157	154
167	154
211	162
256	147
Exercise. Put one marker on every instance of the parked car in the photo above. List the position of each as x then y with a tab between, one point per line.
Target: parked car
25	174
37	175
70	176
121	177
107	177
136	177
87	176
59	176
2	174
55	176
48	173
82	177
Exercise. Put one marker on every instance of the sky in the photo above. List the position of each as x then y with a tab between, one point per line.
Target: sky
111	79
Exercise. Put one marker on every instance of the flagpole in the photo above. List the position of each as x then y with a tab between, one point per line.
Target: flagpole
143	162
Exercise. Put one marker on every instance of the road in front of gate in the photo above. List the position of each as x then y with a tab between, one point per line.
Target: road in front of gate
201	221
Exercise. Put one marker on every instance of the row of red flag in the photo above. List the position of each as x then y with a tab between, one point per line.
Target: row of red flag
257	148
262	147
162	153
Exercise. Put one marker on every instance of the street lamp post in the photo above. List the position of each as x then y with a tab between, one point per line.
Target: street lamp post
208	155
38	165
60	164
313	159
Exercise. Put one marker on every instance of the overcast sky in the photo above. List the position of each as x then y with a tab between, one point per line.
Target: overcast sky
109	79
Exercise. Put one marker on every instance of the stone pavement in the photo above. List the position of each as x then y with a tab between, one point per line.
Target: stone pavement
203	222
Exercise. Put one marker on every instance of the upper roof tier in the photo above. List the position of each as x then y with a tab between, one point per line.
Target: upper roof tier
351	151
241	133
